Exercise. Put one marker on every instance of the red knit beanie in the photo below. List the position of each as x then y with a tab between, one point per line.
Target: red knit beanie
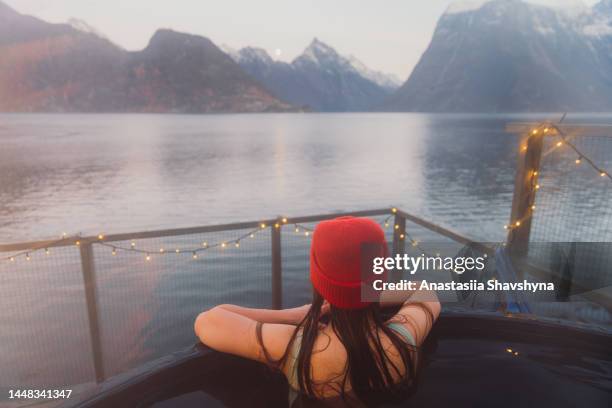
341	249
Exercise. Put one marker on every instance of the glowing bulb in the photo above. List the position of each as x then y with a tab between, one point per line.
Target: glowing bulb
516	353
46	251
307	233
518	224
133	244
578	160
297	229
177	250
277	225
12	259
505	227
252	235
545	130
114	252
559	144
386	225
205	244
394	210
223	245
101	237
284	220
415	243
533	207
27	257
64	235
534	132
148	258
509	350
401	236
262	225
535	173
77	243
537	186
603	174
237	244
194	255
396	226
523	148
161	250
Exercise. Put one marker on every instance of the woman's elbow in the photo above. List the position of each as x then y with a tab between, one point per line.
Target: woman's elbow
204	324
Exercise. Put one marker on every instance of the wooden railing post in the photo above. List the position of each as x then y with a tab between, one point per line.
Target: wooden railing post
525	183
399	234
91	298
277	278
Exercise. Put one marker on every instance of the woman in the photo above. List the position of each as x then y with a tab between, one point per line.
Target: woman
340	348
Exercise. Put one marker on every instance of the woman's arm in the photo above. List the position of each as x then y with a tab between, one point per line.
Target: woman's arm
419	311
286	316
229	332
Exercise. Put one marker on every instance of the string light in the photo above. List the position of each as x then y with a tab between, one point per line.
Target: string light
114	252
27	257
307	233
223	245
559	144
205	244
148	257
133	244
579	160
603	174
178	251
284	220
101	237
47	252
262	225
237	244
161	250
194	255
78	243
12	259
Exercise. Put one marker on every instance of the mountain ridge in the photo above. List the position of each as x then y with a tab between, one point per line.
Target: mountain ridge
509	56
58	68
320	78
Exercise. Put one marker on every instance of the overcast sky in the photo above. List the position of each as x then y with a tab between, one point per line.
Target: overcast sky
387	35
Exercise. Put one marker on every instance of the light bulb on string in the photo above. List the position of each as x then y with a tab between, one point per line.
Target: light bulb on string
28	257
284	220
47	251
148	258
252	235
114	252
262	225
603	174
579	160
223	245
178	251
194	255
133	244
237	244
12	259
205	244
161	250
307	233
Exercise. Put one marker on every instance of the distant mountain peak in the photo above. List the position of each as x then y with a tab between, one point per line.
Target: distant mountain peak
255	54
388	81
84	27
318	51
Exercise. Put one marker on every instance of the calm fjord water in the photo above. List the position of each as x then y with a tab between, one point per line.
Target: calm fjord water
113	173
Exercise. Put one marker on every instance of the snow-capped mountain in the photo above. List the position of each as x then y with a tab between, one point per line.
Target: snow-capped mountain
514	56
320	78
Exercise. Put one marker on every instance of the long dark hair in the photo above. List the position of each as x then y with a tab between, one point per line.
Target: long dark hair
373	376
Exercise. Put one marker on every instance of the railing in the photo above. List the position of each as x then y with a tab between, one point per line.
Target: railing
86	246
